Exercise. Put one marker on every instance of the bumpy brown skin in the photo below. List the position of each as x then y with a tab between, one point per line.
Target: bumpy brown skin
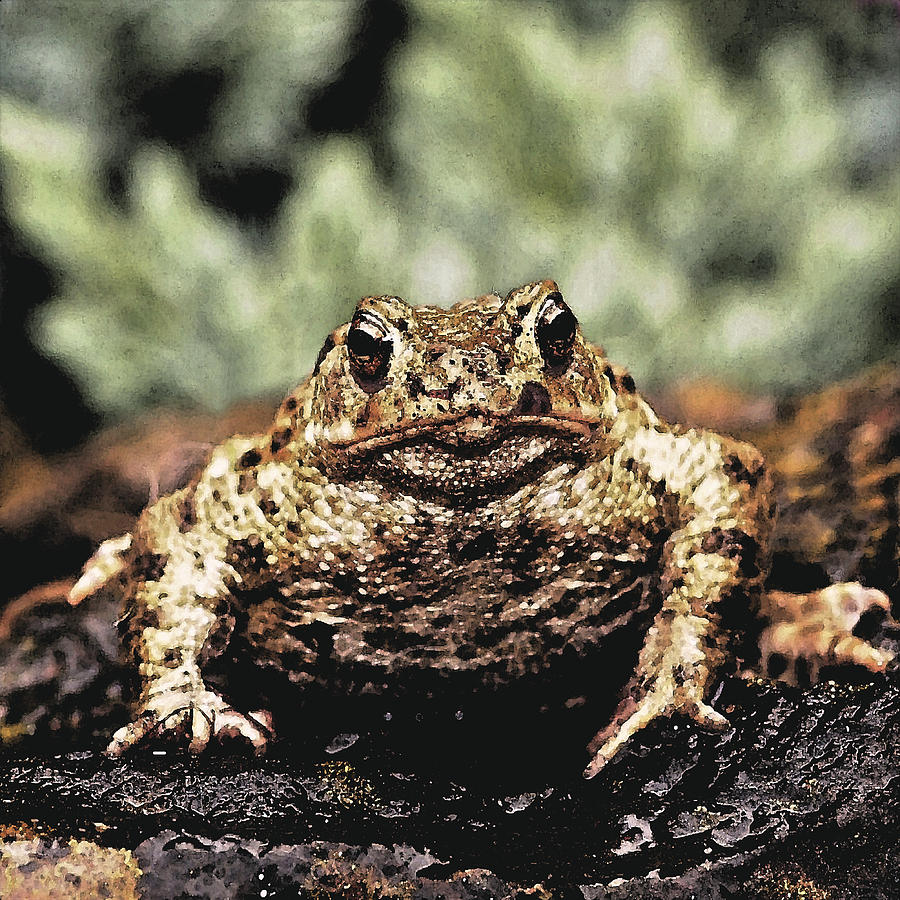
472	488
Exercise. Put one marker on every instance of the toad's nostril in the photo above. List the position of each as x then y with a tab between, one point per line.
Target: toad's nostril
415	385
534	400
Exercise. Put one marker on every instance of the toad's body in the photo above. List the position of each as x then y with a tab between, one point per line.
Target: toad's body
472	488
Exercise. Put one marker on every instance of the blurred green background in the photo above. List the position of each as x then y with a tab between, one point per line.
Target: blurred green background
195	191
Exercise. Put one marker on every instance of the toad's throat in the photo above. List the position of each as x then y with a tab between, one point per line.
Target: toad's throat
461	464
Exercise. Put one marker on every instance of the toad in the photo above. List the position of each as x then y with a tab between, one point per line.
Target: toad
474	488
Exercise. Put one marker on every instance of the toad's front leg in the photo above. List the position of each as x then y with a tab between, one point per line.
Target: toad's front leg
716	554
174	625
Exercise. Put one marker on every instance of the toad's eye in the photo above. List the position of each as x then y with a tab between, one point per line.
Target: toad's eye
556	326
370	348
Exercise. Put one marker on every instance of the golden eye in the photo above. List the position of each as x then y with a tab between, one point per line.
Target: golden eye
555	331
369	347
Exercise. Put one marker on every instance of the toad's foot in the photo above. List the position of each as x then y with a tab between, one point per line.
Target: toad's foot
664	699
817	628
200	714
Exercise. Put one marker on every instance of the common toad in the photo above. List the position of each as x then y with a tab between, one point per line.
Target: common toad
475	488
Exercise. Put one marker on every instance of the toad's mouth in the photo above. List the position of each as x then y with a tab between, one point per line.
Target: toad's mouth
470	456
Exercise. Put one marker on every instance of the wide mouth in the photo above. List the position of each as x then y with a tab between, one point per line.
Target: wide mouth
468	432
470	456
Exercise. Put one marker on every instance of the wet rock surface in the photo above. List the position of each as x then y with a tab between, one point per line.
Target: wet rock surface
804	790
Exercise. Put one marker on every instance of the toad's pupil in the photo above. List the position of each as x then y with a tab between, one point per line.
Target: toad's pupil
369	354
556	333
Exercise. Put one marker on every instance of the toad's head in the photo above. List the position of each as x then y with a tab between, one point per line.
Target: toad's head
461	401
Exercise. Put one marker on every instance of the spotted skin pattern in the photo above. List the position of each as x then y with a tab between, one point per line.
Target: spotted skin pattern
466	489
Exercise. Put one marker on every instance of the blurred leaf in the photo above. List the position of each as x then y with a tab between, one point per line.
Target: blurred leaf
172	301
699	221
698	217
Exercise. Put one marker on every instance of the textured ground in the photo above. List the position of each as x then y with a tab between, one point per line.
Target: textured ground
804	791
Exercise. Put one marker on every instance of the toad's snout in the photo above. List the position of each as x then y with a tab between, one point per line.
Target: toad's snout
534	400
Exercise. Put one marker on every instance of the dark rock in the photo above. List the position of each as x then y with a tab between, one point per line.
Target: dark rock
804	789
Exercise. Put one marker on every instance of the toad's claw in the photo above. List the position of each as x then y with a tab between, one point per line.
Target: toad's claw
707	717
131	734
855	650
225	723
627	723
817	628
205	716
105	564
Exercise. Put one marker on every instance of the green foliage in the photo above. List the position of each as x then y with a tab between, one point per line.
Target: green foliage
171	301
698	222
66	54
